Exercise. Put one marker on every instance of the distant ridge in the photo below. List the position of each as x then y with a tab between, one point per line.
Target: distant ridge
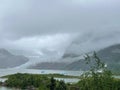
8	60
109	55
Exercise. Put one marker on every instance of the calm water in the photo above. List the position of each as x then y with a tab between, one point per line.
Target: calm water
4	72
5	88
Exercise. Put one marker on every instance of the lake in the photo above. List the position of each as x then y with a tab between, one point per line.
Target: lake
5	88
4	72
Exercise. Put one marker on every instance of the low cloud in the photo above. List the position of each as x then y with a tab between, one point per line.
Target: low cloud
37	27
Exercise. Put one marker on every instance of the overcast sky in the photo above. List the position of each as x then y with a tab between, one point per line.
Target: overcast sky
38	27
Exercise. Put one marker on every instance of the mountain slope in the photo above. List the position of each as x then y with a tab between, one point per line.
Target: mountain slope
8	60
73	61
109	55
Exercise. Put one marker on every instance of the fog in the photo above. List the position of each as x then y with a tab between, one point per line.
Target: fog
50	28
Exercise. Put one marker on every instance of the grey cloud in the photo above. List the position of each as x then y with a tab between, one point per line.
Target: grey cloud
42	17
97	22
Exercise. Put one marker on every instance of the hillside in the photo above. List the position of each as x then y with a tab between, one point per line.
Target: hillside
8	60
109	55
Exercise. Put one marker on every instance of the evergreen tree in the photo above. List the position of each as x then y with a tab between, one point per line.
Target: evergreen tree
98	77
52	84
61	86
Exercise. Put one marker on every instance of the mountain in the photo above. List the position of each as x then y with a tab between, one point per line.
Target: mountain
109	55
75	61
8	60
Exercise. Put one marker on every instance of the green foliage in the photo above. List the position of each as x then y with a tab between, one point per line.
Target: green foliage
25	80
98	77
52	84
61	86
40	82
